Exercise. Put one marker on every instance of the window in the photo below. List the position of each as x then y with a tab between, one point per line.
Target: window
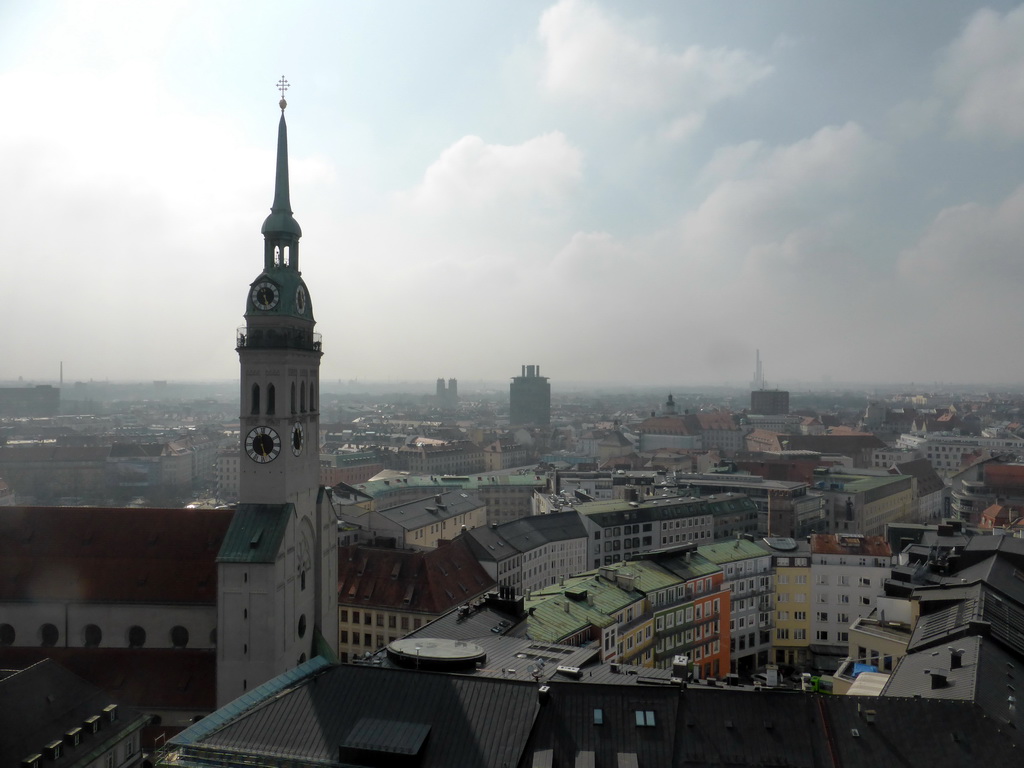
865	600
865	582
179	636
302	625
645	718
344	614
781	633
270	399
800	615
344	636
380	619
821	616
255	399
355	617
822	634
799	634
136	637
92	636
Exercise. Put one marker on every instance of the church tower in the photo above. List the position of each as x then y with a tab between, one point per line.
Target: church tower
277	568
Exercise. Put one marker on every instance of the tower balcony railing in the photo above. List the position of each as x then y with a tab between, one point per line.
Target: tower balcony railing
278	338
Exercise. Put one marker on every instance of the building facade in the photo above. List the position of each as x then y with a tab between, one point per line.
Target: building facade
529	398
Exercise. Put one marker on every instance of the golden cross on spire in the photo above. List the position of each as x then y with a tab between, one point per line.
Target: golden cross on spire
282	85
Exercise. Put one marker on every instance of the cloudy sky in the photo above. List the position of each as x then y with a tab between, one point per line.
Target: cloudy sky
615	191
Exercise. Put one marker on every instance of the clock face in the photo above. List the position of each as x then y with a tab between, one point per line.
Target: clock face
265	295
300	300
262	444
298	438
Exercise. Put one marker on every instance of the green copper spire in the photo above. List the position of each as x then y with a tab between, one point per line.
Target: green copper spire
280	222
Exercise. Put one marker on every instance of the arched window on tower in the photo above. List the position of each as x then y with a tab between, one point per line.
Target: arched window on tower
270	399
293	397
287	256
312	397
255	408
277	256
302	397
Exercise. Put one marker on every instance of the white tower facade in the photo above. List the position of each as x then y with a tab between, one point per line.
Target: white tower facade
277	567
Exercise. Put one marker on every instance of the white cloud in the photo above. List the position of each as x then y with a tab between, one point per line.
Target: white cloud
775	209
472	176
983	75
592	58
971	245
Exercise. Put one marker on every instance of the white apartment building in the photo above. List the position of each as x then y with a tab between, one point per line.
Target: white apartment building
946	450
847	576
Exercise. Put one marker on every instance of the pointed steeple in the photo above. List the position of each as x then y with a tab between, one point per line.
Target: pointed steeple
280	221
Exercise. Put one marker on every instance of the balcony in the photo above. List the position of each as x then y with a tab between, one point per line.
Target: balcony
278	338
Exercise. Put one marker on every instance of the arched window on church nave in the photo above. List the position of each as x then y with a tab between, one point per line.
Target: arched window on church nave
255	407
293	397
270	399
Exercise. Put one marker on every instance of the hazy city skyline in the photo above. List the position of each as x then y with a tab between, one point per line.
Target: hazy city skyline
615	193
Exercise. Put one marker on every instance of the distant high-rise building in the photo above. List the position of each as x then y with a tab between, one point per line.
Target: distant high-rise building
529	397
758	382
769	402
447	397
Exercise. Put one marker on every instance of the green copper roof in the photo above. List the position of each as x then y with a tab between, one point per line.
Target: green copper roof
255	533
280	220
730	551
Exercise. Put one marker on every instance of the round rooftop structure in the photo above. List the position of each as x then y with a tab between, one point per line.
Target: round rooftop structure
781	543
436	654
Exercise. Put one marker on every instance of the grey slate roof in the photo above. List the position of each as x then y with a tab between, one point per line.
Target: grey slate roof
529	533
377	714
987	676
40	704
416	514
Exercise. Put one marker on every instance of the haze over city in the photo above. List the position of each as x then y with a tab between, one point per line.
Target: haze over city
617	193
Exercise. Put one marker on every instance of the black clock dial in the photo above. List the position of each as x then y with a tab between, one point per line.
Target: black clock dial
300	300
262	444
265	295
298	438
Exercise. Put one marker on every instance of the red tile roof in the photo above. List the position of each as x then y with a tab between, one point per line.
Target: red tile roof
431	582
846	544
90	554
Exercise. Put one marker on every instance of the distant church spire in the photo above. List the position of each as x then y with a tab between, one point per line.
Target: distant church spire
280	229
